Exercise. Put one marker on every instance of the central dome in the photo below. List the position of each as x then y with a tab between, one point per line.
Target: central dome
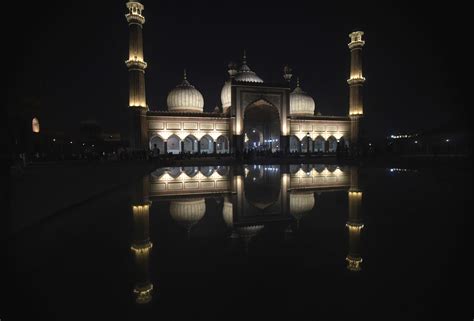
246	74
185	98
301	104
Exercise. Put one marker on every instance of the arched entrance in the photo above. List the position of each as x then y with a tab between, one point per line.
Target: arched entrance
319	144
262	126
295	144
157	141
222	144
190	144
332	141
207	144
306	144
173	144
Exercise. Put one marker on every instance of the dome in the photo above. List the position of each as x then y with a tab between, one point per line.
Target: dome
248	232
226	96
185	98
188	212
246	74
300	102
301	203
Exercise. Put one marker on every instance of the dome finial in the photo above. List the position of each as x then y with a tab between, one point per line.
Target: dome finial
244	58
184	74
297	81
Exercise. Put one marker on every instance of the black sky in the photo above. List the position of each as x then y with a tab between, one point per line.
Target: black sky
71	56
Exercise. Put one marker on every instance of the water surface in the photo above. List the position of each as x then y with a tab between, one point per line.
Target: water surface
250	242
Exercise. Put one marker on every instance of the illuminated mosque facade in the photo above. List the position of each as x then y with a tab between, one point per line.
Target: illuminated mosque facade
254	113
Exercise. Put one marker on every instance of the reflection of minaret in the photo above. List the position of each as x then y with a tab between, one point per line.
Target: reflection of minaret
354	223
188	212
141	245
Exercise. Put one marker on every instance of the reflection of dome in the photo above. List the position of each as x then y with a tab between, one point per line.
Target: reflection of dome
188	212
301	203
300	102
227	214
248	232
185	98
226	96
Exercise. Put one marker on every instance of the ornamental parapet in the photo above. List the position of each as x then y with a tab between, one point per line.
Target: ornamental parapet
136	64
356	81
142	246
135	18
356	44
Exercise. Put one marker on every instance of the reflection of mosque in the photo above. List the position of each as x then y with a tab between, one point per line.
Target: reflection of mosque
252	196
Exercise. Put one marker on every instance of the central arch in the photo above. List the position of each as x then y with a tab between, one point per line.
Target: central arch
262	126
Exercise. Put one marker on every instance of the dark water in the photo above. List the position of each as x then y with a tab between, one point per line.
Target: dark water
308	242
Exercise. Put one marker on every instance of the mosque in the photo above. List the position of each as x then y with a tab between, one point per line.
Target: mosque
254	113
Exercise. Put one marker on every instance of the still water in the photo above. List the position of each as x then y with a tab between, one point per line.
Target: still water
300	242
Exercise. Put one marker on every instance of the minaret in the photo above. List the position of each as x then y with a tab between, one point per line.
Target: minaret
135	63
354	222
136	68
356	81
141	245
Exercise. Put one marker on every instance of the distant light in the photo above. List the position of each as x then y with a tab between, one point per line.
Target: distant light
253	131
447	140
54	139
416	142
35	126
83	144
370	144
70	142
92	145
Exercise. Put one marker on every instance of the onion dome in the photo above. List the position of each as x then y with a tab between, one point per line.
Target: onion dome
188	212
246	74
300	102
226	96
185	98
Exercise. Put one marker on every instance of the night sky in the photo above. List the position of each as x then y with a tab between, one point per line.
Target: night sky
72	56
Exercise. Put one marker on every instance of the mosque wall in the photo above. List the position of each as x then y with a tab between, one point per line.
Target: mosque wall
183	126
317	127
